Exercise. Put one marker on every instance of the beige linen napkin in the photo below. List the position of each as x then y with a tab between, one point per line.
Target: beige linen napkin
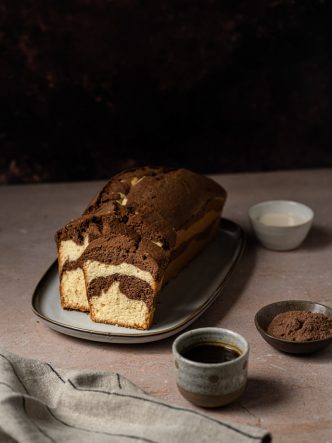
39	403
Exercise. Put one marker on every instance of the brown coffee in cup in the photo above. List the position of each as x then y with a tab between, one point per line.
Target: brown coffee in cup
212	365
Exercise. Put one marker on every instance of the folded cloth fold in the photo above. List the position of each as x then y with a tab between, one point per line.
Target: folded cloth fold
39	403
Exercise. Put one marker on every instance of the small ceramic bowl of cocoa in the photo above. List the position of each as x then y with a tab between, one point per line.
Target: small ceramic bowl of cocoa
295	326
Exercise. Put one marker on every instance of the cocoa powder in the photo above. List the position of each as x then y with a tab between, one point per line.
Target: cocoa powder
300	326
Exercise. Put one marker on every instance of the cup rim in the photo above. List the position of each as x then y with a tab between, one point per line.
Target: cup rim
186	334
293	203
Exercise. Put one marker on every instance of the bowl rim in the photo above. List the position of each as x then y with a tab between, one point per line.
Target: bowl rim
263	332
289	202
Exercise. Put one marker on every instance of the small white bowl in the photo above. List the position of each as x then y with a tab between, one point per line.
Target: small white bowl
281	225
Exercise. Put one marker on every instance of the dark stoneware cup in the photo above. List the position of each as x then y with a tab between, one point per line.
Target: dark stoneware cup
211	384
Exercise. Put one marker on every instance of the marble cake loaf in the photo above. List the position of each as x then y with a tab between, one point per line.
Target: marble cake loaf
139	231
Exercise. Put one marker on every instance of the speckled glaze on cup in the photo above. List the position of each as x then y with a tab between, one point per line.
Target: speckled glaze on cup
211	384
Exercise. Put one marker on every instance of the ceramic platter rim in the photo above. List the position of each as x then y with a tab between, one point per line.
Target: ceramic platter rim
141	336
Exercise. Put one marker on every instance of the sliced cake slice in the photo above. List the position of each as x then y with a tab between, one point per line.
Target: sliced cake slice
123	274
74	238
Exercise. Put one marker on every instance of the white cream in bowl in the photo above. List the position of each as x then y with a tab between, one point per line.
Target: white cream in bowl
281	219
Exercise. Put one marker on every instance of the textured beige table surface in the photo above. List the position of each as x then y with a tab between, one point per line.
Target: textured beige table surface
291	396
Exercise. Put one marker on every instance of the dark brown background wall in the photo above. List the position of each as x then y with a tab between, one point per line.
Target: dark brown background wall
90	87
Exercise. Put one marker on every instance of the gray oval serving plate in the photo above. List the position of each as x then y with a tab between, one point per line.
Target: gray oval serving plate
180	302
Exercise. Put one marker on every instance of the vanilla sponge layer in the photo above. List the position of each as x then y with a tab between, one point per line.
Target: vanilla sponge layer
73	291
189	253
184	235
71	251
112	306
72	283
